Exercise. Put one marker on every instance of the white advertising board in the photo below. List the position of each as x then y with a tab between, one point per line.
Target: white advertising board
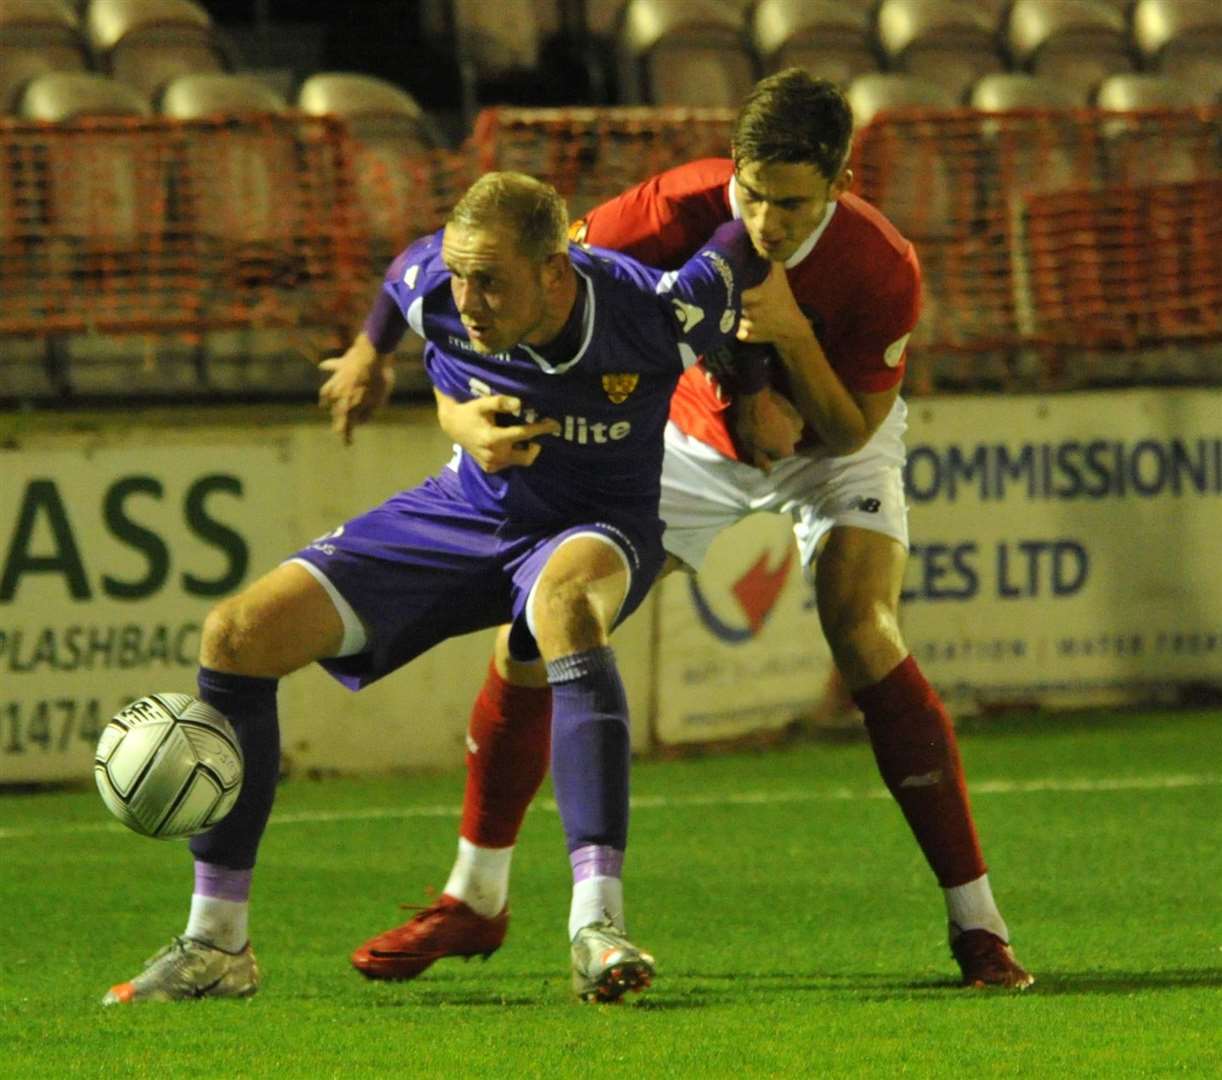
111	558
739	647
116	540
1065	549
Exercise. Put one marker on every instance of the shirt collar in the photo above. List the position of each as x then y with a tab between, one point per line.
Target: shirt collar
807	245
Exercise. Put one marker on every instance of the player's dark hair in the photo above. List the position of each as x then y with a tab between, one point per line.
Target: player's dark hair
793	118
534	210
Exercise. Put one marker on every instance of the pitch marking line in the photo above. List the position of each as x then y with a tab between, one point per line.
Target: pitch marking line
666	802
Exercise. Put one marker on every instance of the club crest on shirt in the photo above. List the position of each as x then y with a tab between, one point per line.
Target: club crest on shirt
619	386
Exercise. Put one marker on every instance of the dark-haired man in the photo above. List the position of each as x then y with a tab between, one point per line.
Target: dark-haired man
580	353
826	422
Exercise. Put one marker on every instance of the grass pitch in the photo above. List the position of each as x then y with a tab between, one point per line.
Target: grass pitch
797	929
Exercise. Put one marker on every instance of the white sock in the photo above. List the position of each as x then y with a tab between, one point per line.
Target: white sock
596	899
480	878
971	907
223	923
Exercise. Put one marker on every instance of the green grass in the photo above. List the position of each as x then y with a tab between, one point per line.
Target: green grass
801	936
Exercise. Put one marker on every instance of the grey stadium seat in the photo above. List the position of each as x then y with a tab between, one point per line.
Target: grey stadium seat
1182	39
149	42
1006	90
951	41
685	52
376	110
37	37
1079	42
828	38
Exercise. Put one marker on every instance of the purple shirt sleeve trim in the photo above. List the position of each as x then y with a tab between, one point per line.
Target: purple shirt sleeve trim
385	325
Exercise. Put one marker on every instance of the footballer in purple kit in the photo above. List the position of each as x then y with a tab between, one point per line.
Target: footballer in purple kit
576	352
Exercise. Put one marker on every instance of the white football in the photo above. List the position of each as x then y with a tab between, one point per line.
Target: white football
168	765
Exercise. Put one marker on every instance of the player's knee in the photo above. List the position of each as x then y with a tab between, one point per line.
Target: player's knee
565	618
228	637
858	630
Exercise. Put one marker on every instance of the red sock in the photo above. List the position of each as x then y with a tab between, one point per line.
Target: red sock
510	728
918	757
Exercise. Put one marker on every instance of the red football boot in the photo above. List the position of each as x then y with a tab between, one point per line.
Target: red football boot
986	960
445	928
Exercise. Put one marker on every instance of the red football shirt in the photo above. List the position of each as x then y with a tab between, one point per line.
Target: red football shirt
856	278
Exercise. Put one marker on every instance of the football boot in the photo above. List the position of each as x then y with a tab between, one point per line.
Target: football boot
986	960
446	928
187	969
606	965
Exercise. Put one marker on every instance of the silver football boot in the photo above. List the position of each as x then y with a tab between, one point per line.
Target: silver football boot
187	969
606	965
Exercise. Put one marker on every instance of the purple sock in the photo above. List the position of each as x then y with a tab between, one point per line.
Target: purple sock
250	705
221	883
590	748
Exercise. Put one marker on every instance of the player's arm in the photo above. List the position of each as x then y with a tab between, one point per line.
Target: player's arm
705	294
475	426
844	420
361	380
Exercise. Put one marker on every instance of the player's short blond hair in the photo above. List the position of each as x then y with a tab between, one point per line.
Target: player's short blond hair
532	209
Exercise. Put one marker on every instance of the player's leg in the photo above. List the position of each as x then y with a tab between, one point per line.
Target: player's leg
244	652
508	744
858	578
577	598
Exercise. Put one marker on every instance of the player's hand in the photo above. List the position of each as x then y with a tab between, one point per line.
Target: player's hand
360	384
771	313
766	427
474	426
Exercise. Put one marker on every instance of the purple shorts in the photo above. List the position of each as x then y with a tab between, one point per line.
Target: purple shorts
426	566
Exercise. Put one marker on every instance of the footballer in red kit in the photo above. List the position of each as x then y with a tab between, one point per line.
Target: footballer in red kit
802	416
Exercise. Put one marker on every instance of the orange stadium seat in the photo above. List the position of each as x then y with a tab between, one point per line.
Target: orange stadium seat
685	52
829	38
1079	42
36	37
149	42
951	41
1182	39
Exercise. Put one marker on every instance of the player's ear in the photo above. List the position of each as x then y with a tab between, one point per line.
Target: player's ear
842	183
555	268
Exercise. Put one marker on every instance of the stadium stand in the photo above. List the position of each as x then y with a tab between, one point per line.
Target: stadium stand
1182	38
205	249
951	41
36	37
149	42
1079	42
684	52
829	38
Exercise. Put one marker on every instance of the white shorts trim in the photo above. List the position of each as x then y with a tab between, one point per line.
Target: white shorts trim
355	639
705	492
623	556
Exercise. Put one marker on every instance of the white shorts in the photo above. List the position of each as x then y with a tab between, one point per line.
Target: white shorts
704	492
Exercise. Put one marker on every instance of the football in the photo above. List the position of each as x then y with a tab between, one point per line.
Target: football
168	765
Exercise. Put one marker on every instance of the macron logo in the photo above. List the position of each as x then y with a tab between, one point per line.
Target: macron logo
689	315
410	275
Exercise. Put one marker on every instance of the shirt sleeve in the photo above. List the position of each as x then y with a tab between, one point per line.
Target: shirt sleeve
705	294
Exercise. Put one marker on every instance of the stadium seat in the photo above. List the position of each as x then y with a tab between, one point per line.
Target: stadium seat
189	97
871	94
1007	90
685	52
37	37
913	179
1183	40
1078	42
149	42
375	110
68	95
829	38
1129	92
1158	148
951	41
